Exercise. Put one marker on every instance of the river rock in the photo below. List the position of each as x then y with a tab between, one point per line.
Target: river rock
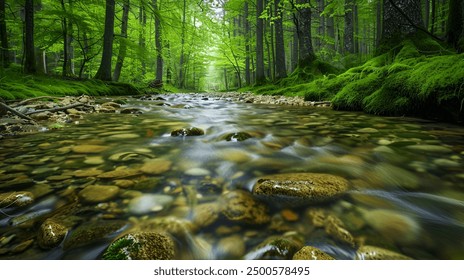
205	214
88	149
234	155
368	130
149	203
236	136
16	199
87	172
231	247
274	248
196	171
129	110
141	246
181	229
241	206
298	189
192	131
311	253
119	173
393	225
92	231
375	253
98	193
335	228
156	166
51	233
429	148
124	136
385	174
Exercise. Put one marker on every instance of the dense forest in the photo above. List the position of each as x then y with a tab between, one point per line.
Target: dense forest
381	56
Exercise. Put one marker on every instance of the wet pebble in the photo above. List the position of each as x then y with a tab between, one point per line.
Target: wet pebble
241	206
149	203
375	253
51	233
311	253
231	247
196	171
98	193
156	166
16	199
89	149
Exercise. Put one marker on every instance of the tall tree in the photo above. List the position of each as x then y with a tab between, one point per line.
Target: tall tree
158	45
306	52
122	42
455	25
182	51
66	27
4	54
348	38
29	47
247	43
400	19
260	78
280	68
104	71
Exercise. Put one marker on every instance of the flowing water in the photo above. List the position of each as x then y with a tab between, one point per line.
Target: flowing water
406	179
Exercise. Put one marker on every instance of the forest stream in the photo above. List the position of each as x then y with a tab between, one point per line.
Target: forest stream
213	178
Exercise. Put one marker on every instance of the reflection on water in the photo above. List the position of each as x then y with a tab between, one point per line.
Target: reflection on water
406	178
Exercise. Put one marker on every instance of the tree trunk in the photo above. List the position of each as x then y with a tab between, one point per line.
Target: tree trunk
401	18
348	38
4	54
434	16
322	25
378	24
247	44
143	23
104	72
280	67
158	45
30	66
67	39
331	30
455	25
427	13
260	77
295	49
122	41
306	52
182	58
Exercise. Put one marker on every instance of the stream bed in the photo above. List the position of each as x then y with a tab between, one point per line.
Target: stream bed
70	193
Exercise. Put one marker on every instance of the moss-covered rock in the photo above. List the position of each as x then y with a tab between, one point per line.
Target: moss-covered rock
141	246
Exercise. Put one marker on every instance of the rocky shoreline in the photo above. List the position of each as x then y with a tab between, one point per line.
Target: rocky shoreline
46	113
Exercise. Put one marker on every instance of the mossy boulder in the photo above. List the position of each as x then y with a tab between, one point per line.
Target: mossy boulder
141	246
311	253
236	136
240	206
298	189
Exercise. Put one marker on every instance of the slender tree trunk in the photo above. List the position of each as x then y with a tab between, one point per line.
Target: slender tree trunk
378	24
66	27
158	45
348	38
104	72
30	66
427	13
295	49
247	44
306	52
280	68
434	16
5	56
122	41
182	58
270	46
260	77
143	23
322	24
356	29
331	30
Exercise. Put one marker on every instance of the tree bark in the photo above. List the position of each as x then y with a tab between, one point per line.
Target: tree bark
30	66
143	23
280	67
104	72
401	18
260	77
348	37
306	52
247	44
182	58
122	43
5	56
158	45
455	24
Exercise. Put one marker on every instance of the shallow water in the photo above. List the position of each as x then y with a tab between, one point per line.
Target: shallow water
406	177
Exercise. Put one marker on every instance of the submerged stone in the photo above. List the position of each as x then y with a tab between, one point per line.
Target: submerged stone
192	131
236	136
241	206
51	234
98	193
141	246
149	203
376	253
298	189
16	199
88	149
91	232
311	253
274	248
156	166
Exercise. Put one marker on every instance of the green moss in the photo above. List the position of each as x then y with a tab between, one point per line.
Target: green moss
118	250
352	95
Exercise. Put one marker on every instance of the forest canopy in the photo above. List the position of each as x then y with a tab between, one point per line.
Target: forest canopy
323	49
